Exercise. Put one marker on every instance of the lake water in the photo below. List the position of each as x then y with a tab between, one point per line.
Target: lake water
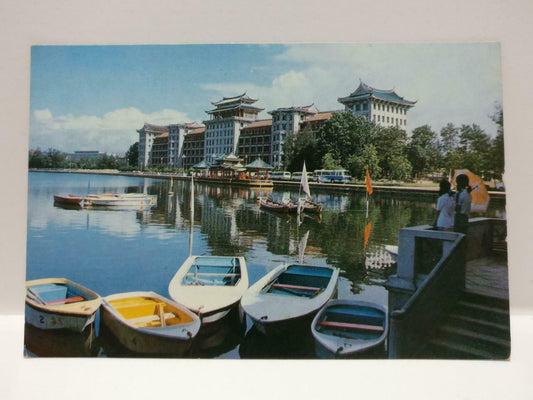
112	251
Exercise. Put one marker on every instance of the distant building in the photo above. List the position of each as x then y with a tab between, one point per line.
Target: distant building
193	147
222	131
384	107
285	121
85	155
254	141
176	137
147	136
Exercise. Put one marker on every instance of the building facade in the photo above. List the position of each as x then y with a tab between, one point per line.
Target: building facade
286	121
384	107
223	129
254	141
147	136
193	147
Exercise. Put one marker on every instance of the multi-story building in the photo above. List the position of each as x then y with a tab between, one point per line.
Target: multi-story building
176	136
147	136
254	141
193	147
284	121
222	131
384	107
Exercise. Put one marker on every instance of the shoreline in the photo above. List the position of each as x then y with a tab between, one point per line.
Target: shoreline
344	187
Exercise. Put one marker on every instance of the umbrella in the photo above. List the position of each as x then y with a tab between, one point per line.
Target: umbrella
479	193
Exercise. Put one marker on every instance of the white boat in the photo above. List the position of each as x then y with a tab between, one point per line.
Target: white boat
121	200
345	328
289	296
146	322
57	303
210	286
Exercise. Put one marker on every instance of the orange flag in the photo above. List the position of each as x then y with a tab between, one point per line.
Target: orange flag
368	183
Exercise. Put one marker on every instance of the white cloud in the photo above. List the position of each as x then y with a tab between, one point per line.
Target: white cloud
112	133
457	83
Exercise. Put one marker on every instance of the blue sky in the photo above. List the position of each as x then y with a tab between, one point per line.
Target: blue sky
95	97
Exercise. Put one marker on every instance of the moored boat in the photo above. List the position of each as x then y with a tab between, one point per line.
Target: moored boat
210	286
146	322
345	328
68	199
121	200
58	303
289	296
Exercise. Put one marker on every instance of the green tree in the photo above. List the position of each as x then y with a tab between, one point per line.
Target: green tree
391	145
423	150
56	159
330	162
344	135
475	145
37	159
497	157
132	155
357	164
300	147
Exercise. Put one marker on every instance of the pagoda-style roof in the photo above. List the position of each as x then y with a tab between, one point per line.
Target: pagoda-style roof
258	164
320	116
310	109
201	165
150	128
163	137
234	106
243	98
365	91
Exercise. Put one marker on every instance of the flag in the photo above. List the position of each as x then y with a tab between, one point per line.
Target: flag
368	183
304	182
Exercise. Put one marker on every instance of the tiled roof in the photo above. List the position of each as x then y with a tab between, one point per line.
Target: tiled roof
310	109
319	117
234	107
365	91
240	98
153	128
258	124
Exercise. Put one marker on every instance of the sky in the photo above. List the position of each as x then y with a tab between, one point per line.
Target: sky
96	97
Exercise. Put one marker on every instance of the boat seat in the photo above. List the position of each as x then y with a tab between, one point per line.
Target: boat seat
150	318
285	286
352	326
65	301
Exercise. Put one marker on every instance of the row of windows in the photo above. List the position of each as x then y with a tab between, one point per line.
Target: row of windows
252	140
282	117
254	150
214	142
389	120
389	108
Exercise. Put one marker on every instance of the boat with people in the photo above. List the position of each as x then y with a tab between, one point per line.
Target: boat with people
210	286
121	200
345	328
58	303
289	296
69	199
146	322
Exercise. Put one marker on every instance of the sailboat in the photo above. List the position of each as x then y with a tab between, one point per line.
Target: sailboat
209	286
304	203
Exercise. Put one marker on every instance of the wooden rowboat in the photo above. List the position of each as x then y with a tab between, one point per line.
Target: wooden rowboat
145	322
68	199
210	286
270	205
121	200
57	303
289	296
344	328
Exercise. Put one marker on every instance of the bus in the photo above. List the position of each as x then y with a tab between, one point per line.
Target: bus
332	176
280	175
297	176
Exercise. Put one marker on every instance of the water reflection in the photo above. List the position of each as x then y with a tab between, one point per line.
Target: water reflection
114	251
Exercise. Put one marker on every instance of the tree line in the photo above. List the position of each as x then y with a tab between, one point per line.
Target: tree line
53	158
351	142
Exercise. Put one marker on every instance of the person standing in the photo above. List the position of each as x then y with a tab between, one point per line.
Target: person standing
444	219
462	204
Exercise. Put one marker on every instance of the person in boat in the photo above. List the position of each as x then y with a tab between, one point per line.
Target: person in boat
444	218
463	202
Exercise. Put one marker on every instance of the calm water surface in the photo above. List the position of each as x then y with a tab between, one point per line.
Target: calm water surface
112	251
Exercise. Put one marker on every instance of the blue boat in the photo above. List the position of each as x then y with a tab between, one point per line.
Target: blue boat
345	328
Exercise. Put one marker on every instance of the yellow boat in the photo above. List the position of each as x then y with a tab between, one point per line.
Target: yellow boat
57	303
146	322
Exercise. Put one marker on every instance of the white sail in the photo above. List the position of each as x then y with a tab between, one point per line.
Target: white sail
301	247
192	215
304	183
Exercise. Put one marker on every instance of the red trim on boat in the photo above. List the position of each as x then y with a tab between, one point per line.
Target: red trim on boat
280	285
352	326
65	301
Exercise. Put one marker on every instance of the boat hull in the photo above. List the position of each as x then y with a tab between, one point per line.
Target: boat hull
171	339
70	199
212	300
58	315
288	297
349	328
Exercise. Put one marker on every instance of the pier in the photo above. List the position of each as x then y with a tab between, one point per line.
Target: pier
450	296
